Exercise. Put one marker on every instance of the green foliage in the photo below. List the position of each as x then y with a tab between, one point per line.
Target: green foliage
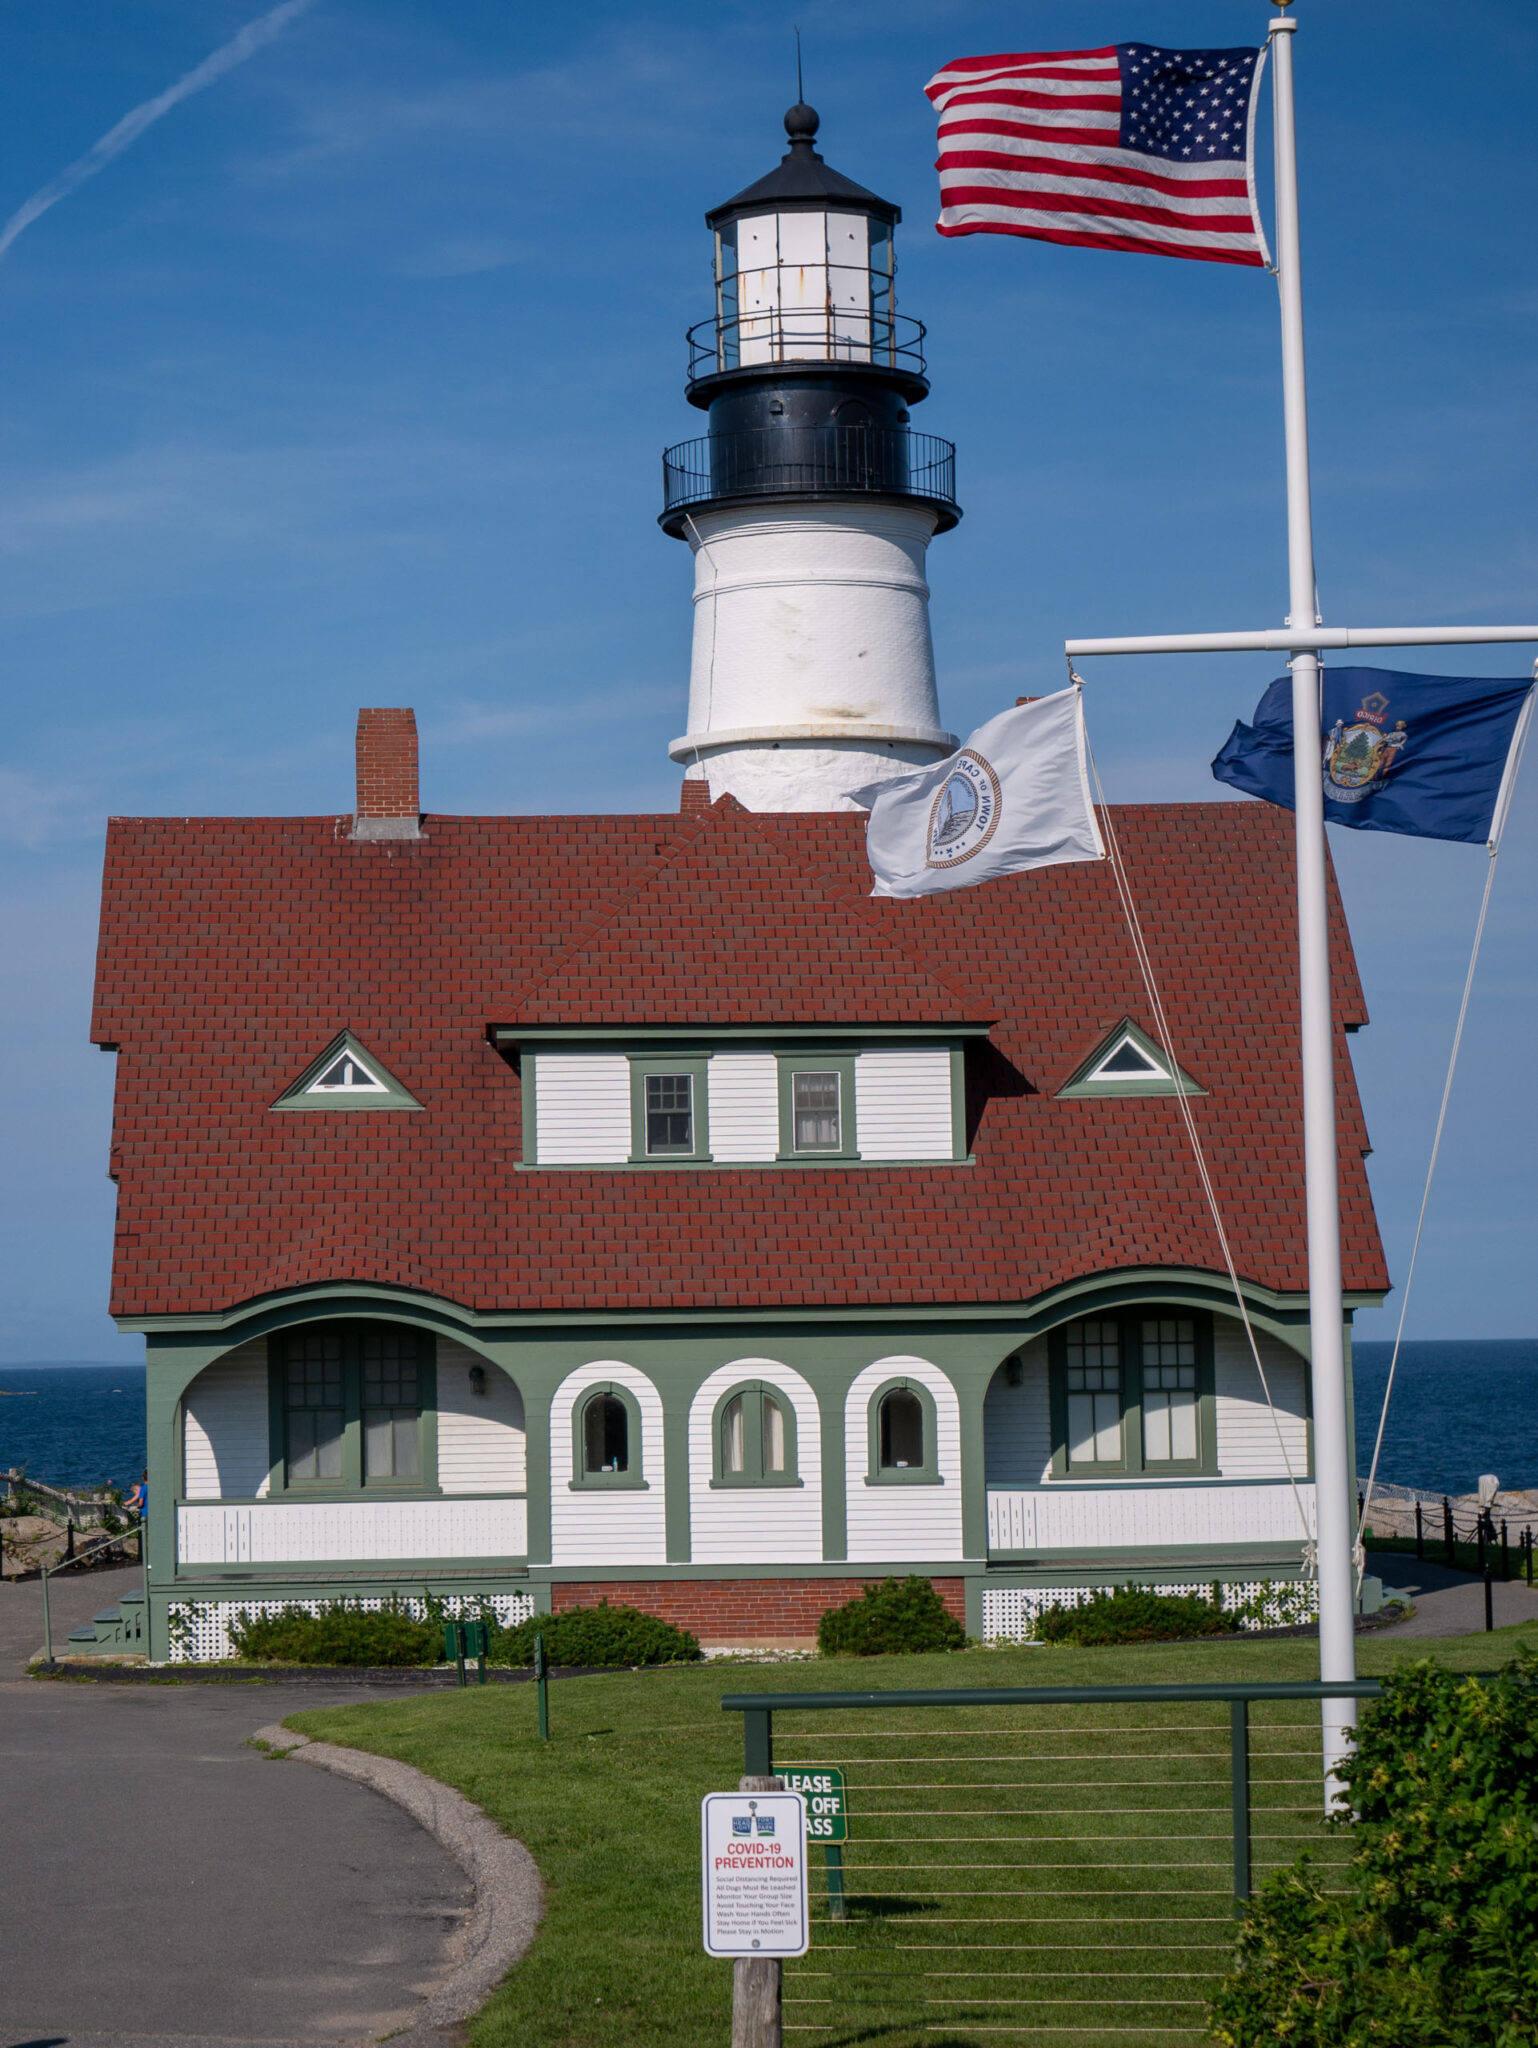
596	1638
898	1617
341	1632
1131	1614
1435	1944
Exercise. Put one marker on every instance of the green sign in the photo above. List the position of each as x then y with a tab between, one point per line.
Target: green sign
823	1791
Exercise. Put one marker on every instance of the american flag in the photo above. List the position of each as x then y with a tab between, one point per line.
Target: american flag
1129	147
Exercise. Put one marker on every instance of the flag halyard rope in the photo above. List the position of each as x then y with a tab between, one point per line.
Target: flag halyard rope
1431	1167
1161	1022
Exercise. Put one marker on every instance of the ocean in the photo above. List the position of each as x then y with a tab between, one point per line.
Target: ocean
1460	1409
73	1425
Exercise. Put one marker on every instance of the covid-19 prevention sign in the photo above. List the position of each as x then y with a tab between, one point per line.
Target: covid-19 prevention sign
754	1846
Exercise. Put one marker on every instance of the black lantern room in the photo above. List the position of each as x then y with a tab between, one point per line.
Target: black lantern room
807	370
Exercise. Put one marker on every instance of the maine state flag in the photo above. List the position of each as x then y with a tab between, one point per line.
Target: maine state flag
1431	756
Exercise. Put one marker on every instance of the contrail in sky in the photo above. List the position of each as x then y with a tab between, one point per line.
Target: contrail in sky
251	38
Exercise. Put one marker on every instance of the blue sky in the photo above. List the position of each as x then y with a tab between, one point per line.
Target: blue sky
346	383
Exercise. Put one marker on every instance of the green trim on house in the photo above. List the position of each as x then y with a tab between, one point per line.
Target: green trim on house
819	1061
849	1037
528	1085
395	1095
1284	1316
1082	1083
959	1106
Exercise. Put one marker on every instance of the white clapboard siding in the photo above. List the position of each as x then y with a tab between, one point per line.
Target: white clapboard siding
890	1524
351	1531
1017	1423
581	1109
755	1524
481	1444
225	1427
1247	1445
1106	1518
744	1106
903	1104
603	1524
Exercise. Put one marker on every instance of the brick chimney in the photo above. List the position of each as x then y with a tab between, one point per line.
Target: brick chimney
695	795
388	804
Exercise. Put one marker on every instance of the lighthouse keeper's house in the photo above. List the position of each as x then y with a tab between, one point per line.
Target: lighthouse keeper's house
528	1209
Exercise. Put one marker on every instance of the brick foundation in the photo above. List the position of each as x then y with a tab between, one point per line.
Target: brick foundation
737	1610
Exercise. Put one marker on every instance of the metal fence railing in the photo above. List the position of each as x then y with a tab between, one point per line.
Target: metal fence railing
1473	1539
1059	1863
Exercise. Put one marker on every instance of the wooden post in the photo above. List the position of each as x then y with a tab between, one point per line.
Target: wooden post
756	1980
1447	1530
1420	1540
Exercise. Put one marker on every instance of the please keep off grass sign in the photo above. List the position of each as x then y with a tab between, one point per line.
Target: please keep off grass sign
754	1847
823	1790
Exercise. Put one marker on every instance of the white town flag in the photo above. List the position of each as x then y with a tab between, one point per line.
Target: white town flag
1015	797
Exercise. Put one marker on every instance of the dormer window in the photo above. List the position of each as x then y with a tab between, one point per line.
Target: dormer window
1129	1062
669	1115
346	1076
815	1110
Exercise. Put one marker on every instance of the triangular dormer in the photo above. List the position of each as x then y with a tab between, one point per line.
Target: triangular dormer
346	1077
1129	1062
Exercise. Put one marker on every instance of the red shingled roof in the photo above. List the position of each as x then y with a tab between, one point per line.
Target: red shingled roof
234	950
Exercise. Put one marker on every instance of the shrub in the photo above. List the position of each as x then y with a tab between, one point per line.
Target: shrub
1131	1614
1435	1940
596	1636
341	1632
895	1618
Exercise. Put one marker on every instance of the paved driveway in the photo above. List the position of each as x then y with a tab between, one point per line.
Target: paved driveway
1449	1603
160	1883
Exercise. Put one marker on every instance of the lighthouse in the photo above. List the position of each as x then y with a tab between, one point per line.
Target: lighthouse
810	503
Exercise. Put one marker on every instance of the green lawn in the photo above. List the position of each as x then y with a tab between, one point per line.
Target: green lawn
1058	1874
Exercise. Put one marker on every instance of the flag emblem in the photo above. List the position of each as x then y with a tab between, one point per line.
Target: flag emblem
965	812
1127	147
1356	755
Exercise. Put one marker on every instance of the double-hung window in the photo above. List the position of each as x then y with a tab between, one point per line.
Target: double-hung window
1132	1393
669	1110
817	1106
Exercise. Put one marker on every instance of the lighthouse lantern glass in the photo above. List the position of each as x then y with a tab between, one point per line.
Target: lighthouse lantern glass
803	287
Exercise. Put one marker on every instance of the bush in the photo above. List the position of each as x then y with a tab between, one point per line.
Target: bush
895	1618
596	1636
1131	1614
341	1632
1435	1942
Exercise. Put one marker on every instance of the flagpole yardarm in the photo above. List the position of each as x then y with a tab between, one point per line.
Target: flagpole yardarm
1314	640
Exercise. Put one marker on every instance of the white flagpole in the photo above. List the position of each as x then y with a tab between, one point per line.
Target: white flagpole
1326	1318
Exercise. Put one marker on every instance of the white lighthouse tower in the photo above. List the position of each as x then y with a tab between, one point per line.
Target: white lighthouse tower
810	504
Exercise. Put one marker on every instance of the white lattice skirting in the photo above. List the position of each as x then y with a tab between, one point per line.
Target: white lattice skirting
1010	1613
200	1629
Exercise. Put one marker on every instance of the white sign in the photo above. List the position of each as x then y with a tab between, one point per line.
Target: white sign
755	1873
